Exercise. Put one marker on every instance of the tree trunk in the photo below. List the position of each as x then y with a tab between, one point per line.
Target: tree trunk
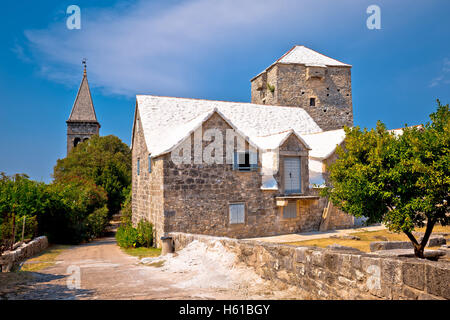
420	247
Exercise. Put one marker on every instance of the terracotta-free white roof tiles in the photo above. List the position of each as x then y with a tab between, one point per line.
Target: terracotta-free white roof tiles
166	121
324	143
308	57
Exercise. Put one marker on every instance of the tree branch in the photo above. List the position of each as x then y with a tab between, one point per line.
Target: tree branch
426	236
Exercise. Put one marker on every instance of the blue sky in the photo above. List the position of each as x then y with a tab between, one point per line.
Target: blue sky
203	49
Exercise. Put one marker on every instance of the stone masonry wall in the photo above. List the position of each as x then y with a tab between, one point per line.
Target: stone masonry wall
197	197
11	258
81	130
147	188
328	274
293	86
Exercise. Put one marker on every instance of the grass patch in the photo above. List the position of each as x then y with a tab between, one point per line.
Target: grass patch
366	238
142	252
45	259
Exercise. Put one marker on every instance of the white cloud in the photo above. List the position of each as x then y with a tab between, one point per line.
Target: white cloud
444	77
150	48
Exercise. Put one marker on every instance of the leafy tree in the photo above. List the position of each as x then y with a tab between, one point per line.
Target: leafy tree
104	160
400	180
73	211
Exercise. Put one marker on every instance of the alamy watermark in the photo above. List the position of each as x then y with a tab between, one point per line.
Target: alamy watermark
74	20
74	279
374	20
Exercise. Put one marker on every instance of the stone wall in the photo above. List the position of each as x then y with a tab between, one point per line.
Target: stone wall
11	258
197	196
294	85
147	187
81	130
328	274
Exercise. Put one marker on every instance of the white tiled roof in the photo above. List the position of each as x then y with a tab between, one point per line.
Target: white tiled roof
166	121
323	144
306	56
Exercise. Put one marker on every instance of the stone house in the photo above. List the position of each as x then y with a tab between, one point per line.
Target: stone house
242	169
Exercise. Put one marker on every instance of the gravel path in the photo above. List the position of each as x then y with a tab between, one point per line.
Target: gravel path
108	273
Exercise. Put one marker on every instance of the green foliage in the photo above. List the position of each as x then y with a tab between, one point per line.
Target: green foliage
97	222
145	234
20	198
270	87
127	236
104	160
67	208
69	211
126	212
402	181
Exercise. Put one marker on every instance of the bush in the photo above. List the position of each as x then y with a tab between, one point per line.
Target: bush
69	203
145	234
127	236
97	222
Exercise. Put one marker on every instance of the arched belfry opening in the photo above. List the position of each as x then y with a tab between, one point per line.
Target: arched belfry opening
76	141
82	123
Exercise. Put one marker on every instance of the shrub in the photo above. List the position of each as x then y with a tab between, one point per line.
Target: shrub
67	208
145	234
127	236
97	222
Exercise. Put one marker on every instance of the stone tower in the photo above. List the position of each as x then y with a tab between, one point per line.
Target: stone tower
82	123
305	78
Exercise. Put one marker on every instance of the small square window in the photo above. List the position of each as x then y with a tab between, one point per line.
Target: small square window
237	213
245	161
149	164
290	211
312	102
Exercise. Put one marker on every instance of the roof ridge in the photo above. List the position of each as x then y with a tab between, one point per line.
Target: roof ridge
229	102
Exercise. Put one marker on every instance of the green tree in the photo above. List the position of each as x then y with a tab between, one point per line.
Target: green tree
104	160
400	180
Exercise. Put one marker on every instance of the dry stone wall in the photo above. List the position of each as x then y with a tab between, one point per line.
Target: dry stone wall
337	274
10	258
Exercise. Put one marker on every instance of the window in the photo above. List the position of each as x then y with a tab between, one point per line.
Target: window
312	102
138	166
149	164
290	211
245	161
237	213
76	142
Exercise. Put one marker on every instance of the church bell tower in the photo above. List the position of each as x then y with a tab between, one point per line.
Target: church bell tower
82	123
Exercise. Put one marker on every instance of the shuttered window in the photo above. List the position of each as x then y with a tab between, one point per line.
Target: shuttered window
290	211
237	213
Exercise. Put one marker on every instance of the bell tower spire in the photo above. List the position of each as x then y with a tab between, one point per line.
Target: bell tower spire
82	123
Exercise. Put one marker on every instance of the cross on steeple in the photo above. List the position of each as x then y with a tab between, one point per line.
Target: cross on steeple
83	62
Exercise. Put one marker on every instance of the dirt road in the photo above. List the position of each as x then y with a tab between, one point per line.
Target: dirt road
108	273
